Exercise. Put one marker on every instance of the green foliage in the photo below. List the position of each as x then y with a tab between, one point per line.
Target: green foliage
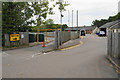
18	16
41	10
62	4
64	26
101	22
49	24
11	16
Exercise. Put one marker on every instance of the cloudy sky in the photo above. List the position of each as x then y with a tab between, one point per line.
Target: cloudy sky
89	10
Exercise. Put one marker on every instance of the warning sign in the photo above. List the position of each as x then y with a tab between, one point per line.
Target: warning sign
14	37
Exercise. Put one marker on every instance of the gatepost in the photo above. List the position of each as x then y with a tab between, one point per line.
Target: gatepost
56	39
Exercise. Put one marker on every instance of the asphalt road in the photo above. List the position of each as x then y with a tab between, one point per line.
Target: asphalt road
86	61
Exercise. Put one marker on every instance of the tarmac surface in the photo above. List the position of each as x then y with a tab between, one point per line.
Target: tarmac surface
85	61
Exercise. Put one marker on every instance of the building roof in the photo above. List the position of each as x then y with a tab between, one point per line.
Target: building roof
116	26
89	27
73	28
109	24
81	27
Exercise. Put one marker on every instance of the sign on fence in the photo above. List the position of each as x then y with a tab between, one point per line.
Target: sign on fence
22	35
14	37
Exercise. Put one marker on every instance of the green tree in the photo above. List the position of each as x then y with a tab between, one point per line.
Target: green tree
17	16
11	16
101	22
62	4
64	26
49	24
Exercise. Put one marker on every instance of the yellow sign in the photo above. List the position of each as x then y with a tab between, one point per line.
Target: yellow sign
14	37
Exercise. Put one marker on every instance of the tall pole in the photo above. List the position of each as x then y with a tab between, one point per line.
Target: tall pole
61	21
77	24
72	18
68	18
77	20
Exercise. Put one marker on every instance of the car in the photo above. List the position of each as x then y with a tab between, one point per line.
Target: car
101	33
82	32
97	33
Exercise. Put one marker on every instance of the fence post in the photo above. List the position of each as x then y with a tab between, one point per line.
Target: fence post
21	40
108	43
116	45
119	45
27	38
56	39
7	40
113	44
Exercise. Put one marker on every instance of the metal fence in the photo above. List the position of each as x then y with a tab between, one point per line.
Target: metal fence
64	36
58	36
74	35
114	44
50	34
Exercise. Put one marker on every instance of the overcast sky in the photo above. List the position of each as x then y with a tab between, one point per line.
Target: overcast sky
89	10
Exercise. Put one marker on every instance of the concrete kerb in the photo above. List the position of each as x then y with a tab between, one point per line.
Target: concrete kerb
73	46
114	64
65	48
48	50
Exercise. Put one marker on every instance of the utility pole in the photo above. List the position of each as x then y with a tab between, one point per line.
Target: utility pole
77	23
72	18
77	18
68	18
61	21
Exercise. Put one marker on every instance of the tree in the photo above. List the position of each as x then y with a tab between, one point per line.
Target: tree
11	18
15	16
18	16
64	27
62	4
41	10
49	24
101	22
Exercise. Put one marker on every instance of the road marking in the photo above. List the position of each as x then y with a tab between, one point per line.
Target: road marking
72	46
35	55
4	54
44	53
32	56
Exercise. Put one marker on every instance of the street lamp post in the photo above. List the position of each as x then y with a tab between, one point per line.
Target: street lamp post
77	24
68	18
72	19
61	21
